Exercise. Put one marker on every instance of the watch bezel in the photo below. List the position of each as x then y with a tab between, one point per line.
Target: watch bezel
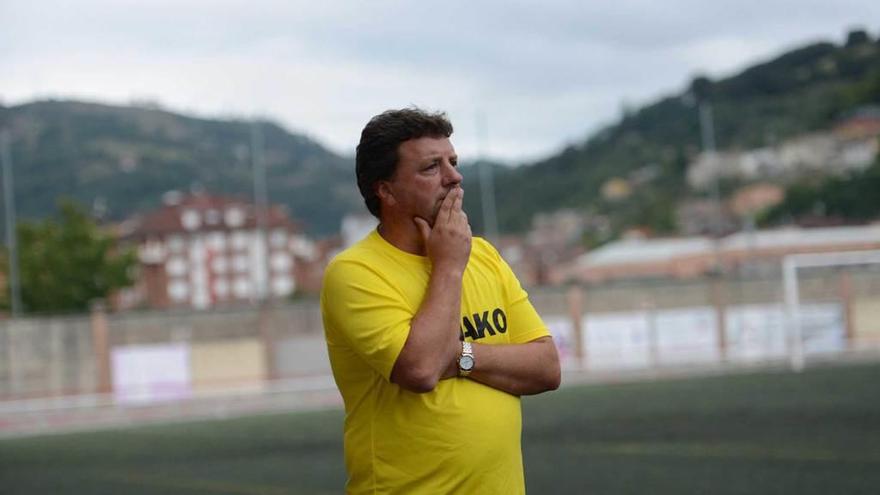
466	363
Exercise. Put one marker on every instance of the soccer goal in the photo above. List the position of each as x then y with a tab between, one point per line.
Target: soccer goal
831	301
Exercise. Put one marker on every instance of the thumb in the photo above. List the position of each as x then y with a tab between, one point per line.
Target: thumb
423	227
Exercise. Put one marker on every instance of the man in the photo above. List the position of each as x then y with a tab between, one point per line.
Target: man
431	338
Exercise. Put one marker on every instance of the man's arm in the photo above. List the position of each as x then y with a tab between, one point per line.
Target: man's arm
433	340
518	369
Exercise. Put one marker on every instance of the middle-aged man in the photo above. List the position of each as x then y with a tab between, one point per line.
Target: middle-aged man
432	340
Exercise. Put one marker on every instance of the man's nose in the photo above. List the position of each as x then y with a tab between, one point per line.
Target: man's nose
453	177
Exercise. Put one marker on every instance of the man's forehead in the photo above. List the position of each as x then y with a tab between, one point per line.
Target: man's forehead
427	147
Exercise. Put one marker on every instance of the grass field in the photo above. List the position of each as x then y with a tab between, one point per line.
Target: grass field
812	433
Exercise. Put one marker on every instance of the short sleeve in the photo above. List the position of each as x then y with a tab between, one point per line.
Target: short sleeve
361	309
525	323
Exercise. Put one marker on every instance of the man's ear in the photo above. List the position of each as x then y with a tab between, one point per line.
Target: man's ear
384	192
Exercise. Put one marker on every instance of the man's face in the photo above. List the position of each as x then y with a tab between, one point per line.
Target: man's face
426	172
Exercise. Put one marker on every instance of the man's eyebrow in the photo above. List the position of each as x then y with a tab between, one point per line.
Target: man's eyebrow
440	154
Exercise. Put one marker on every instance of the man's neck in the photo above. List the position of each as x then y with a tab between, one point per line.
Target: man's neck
404	237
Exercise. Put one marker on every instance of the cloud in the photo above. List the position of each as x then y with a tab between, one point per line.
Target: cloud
543	74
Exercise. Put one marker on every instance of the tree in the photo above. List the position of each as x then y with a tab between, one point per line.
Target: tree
857	37
851	198
68	263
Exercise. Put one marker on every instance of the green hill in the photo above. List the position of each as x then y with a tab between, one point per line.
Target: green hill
802	90
122	159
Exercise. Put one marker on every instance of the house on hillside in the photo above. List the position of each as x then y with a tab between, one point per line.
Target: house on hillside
201	251
851	145
689	257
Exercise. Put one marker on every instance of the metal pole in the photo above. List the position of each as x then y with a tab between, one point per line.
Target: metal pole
487	182
792	306
11	240
261	199
707	127
707	136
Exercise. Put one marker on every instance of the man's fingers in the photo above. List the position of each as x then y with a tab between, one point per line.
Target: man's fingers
455	207
423	227
459	197
446	205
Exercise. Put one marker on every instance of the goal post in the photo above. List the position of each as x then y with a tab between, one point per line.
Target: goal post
793	265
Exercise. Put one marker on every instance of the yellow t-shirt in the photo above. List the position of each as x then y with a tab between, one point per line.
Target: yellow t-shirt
463	437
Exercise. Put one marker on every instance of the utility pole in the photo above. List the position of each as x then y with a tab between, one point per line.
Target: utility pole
487	182
707	135
264	291
261	202
11	240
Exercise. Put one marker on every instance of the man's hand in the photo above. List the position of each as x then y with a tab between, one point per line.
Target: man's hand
448	242
433	344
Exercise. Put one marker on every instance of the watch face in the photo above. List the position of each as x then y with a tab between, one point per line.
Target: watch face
466	363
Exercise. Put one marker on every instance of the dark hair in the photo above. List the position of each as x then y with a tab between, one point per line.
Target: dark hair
376	156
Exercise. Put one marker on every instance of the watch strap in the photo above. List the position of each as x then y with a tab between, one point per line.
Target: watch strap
466	360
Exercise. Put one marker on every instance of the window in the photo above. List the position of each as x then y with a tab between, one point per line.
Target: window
190	219
280	262
175	243
234	217
240	239
217	241
176	266
221	288
242	288
240	263
220	264
282	286
178	290
278	238
212	217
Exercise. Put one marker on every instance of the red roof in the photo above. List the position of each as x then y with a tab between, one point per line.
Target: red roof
205	213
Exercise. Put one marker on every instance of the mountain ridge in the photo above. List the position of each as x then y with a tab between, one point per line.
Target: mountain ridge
121	159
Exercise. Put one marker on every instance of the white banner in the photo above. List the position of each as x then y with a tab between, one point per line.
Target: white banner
641	339
151	373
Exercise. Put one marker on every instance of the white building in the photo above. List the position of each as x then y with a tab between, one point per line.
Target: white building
689	257
201	251
824	153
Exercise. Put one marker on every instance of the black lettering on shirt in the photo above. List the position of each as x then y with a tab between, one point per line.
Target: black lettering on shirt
483	324
476	326
471	331
500	320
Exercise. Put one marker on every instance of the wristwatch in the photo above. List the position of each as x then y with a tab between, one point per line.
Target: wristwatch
466	360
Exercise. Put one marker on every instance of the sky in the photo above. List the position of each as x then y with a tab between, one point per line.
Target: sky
519	80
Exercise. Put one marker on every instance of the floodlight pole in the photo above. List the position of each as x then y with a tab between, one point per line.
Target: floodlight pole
792	311
11	239
707	136
487	182
261	202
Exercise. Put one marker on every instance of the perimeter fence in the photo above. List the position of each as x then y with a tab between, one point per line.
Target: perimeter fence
62	372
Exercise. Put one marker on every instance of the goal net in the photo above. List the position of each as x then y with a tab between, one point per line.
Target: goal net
832	303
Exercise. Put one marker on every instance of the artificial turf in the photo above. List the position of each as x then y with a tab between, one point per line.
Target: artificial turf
816	432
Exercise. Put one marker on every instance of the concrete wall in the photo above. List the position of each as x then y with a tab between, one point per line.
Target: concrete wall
51	356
